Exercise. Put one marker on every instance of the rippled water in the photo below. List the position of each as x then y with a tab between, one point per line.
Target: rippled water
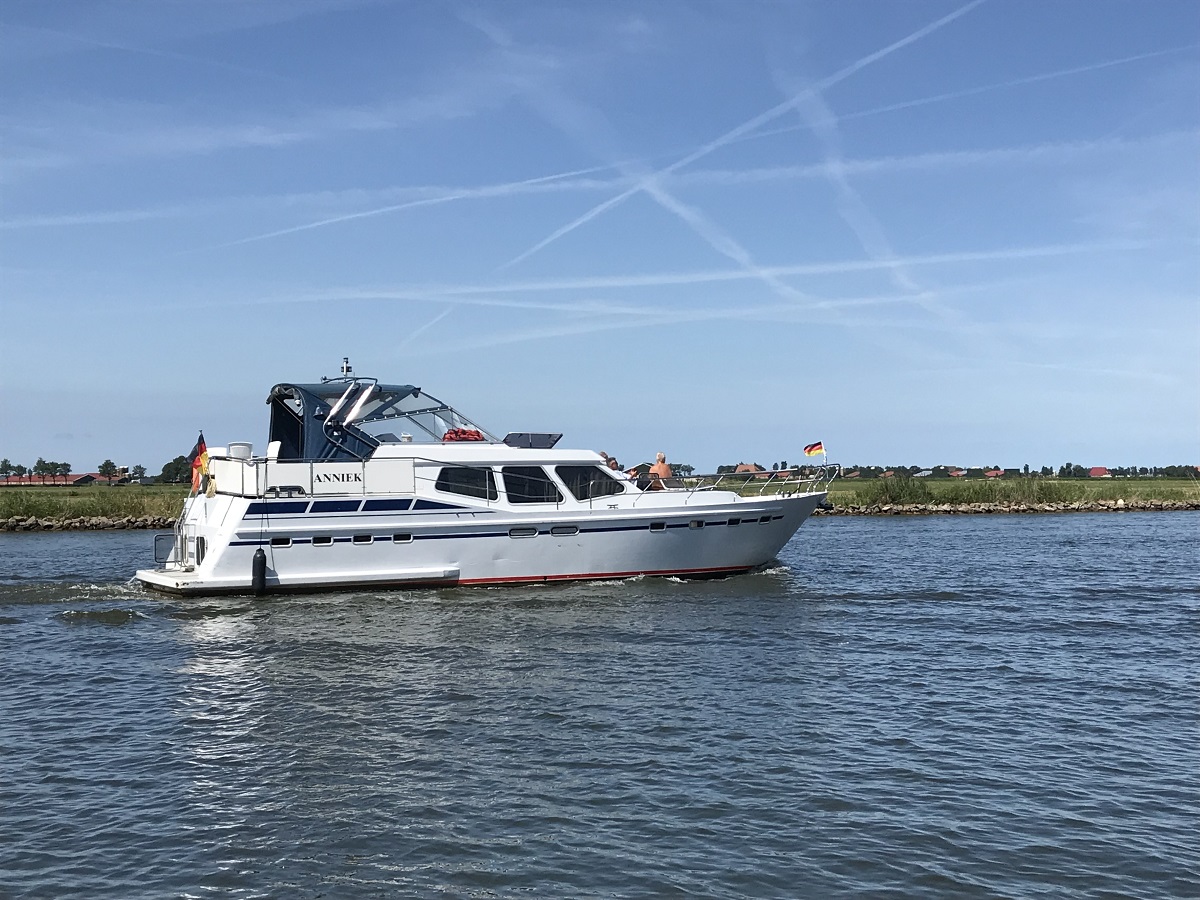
995	707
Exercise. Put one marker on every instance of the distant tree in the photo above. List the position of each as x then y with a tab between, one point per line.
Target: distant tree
6	468
681	469
176	471
1026	469
64	469
20	471
783	464
137	473
108	469
1047	471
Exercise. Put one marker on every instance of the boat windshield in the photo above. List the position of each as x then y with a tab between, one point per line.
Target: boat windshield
347	418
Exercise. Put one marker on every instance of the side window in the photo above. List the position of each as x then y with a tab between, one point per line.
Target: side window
471	482
529	484
589	482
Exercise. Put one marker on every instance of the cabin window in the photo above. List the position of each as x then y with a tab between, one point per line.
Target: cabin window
658	526
470	482
323	540
529	484
763	520
363	539
564	530
735	521
696	523
522	532
281	542
588	482
201	549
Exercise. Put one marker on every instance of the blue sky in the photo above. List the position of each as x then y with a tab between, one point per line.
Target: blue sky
922	232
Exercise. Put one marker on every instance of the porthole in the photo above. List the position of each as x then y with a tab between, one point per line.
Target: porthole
735	521
402	538
323	540
564	530
522	532
658	526
363	539
281	542
763	520
696	523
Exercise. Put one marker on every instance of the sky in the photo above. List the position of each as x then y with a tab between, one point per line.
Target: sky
929	232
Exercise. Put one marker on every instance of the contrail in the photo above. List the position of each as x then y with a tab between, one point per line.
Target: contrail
495	190
748	126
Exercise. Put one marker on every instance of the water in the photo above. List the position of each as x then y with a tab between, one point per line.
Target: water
935	707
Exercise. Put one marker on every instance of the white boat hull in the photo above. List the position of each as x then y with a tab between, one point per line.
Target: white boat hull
307	552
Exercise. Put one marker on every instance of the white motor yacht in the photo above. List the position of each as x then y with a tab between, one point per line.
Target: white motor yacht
366	484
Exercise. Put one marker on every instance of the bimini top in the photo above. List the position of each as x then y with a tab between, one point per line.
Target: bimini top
347	418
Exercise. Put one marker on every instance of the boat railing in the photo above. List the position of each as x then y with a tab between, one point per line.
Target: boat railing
263	477
776	483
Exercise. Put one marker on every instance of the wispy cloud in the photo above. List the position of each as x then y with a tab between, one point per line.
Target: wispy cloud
507	189
748	127
189	58
463	292
1048	154
988	88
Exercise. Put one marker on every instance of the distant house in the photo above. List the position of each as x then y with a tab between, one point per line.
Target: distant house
1099	472
854	474
957	473
994	473
49	480
888	474
755	468
924	473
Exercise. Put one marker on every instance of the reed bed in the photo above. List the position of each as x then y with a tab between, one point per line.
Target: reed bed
101	500
908	491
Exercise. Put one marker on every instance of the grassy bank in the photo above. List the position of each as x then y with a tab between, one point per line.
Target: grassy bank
880	491
139	501
93	500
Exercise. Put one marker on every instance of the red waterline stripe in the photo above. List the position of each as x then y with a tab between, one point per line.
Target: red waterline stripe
593	575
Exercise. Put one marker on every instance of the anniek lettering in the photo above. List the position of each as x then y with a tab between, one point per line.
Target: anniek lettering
337	476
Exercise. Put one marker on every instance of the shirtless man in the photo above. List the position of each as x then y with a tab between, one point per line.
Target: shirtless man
659	471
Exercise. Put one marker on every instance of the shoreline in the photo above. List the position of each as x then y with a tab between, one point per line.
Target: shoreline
167	523
1010	508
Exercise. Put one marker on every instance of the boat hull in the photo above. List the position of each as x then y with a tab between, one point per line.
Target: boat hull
305	552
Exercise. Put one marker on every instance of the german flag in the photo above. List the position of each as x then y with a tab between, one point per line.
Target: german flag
199	460
817	449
